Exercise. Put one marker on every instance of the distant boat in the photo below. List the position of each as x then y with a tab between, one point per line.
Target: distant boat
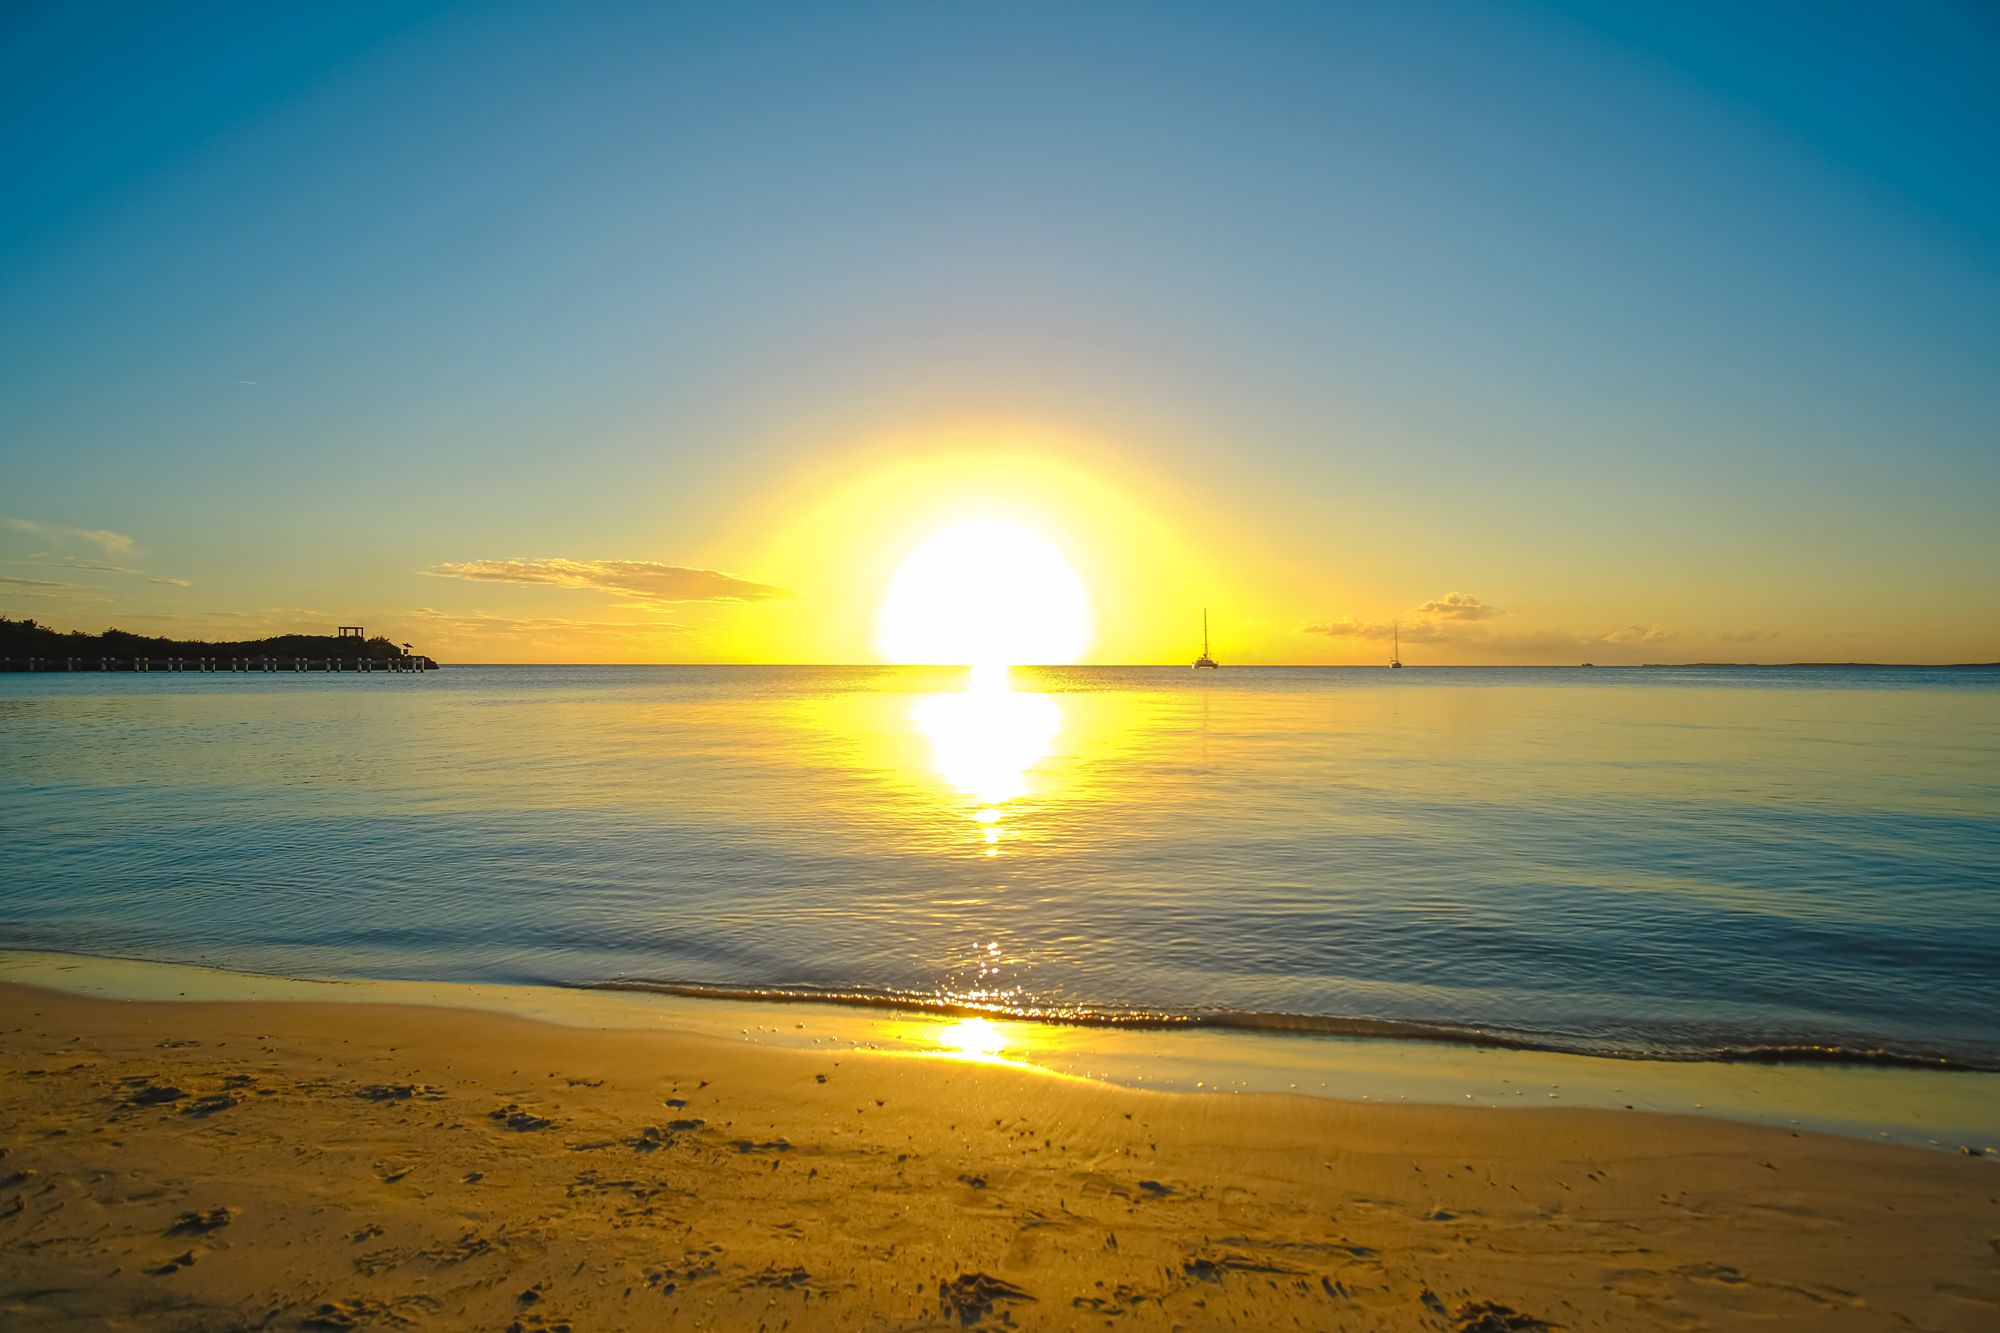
1205	660
1396	651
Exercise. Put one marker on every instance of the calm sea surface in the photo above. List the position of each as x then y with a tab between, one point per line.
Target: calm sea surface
1660	861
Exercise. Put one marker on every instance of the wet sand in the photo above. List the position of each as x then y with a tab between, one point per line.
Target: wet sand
197	1164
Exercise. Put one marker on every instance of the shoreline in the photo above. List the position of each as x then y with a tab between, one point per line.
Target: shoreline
1278	1023
329	1155
1938	1109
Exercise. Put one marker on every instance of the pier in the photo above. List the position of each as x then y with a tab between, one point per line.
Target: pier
28	646
209	665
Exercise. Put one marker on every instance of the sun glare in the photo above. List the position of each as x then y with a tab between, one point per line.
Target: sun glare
972	1039
985	594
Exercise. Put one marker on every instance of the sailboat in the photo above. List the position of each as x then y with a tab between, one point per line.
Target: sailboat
1205	660
1396	651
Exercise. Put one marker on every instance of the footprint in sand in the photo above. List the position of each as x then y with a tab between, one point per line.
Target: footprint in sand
519	1119
536	1323
195	1223
175	1264
695	1265
154	1094
771	1145
781	1278
399	1092
1204	1269
970	1297
364	1312
203	1107
1489	1317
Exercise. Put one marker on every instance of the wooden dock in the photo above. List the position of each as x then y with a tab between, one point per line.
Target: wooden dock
211	665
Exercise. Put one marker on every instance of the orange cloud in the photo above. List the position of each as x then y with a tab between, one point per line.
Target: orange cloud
1459	606
646	580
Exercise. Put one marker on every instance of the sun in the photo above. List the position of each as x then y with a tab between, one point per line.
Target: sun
985	593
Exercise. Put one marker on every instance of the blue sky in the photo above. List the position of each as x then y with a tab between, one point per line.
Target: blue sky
1675	322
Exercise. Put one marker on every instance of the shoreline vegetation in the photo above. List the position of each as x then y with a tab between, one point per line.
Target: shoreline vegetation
309	1164
28	645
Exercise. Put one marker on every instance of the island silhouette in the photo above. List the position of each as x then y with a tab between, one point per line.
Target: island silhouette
27	645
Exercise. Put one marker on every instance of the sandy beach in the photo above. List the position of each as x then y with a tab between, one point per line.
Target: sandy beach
199	1164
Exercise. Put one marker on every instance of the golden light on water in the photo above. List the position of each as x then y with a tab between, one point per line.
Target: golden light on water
986	593
985	740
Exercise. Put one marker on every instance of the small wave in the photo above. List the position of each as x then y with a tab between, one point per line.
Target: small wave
1316	1025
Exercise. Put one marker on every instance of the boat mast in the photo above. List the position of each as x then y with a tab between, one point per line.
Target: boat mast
1204	631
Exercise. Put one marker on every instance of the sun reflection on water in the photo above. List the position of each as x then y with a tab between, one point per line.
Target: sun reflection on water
985	740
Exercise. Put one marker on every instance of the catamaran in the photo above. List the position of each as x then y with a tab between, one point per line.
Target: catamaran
1205	660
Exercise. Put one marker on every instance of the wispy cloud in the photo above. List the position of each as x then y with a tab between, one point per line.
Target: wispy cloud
1413	631
471	634
111	543
1641	634
17	589
270	621
1459	606
1443	619
643	579
70	562
1527	643
1454	616
475	622
1460	619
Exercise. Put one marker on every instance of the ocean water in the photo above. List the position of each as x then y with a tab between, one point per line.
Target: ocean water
1661	862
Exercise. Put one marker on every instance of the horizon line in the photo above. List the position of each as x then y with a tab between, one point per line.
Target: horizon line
1282	666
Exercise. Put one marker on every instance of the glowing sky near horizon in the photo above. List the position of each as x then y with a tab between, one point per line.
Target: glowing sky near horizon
638	332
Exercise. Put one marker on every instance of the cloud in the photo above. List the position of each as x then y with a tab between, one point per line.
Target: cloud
426	626
16	589
1411	631
478	622
1640	634
643	579
1459	606
1440	620
278	621
1457	618
111	543
70	562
